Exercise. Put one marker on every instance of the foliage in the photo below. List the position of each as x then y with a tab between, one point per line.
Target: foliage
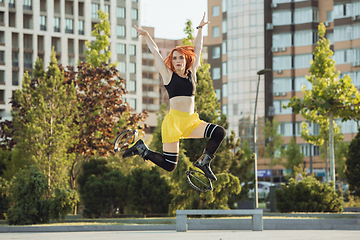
94	167
148	192
352	171
341	149
28	194
97	52
330	96
308	195
293	156
186	197
242	163
105	195
31	202
63	203
274	143
4	198
43	114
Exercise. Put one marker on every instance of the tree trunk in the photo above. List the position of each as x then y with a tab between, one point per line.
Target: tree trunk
326	163
331	147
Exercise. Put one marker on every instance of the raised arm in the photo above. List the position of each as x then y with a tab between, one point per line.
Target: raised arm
198	43
159	62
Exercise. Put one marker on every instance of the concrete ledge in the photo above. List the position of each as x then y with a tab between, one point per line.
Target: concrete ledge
256	214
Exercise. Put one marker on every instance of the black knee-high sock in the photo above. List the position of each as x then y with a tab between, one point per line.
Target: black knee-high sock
168	161
216	134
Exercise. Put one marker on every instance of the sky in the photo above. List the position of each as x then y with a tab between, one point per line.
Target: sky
168	17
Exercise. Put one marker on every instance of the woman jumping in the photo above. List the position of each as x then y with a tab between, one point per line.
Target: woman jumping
178	72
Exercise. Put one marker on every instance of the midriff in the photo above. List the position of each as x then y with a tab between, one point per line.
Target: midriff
183	103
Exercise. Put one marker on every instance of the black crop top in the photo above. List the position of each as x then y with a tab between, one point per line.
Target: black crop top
179	86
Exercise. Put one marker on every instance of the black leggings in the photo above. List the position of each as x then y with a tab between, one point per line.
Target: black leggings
168	161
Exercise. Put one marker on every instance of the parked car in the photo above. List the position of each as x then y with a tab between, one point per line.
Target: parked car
263	189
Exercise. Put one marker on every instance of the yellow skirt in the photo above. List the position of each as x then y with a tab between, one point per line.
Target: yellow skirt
178	125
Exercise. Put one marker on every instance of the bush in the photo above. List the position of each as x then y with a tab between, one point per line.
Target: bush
308	195
28	194
149	193
32	201
105	195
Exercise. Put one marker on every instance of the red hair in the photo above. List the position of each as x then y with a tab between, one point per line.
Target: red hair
187	51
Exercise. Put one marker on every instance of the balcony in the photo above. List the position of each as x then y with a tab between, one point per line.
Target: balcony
43	27
149	81
27	7
151	94
149	68
27	65
81	32
56	29
68	30
15	63
11	5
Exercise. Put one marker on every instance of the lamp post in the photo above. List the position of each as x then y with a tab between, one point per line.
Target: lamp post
256	200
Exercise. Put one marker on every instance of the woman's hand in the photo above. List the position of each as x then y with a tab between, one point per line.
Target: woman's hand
140	31
203	23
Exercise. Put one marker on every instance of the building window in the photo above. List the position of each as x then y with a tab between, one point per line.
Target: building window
344	33
132	67
2	77
15	78
215	11
300	82
224	26
282	62
282	40
132	50
235	109
107	9
11	3
224	68
71	61
306	15
43	23
132	103
225	90
134	33
216	52
134	14
216	31
132	86
281	18
56	24
224	47
15	59
302	60
120	12
120	31
81	27
278	107
253	20
27	5
281	85
286	129
69	26
224	5
120	48
216	73
218	93
122	67
224	109
94	10
342	10
2	57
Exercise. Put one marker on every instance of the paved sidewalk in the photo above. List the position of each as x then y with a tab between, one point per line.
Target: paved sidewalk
190	235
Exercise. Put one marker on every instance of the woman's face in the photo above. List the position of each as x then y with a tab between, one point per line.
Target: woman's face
178	61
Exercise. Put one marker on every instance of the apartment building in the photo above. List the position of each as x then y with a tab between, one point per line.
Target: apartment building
280	35
30	28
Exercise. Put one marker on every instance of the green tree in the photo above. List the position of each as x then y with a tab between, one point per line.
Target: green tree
274	143
43	113
330	96
103	111
293	157
97	52
341	149
352	171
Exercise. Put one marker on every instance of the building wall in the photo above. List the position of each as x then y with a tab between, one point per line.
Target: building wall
24	36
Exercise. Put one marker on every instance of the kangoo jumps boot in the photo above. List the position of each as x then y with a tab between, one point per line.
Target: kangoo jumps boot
204	164
138	148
